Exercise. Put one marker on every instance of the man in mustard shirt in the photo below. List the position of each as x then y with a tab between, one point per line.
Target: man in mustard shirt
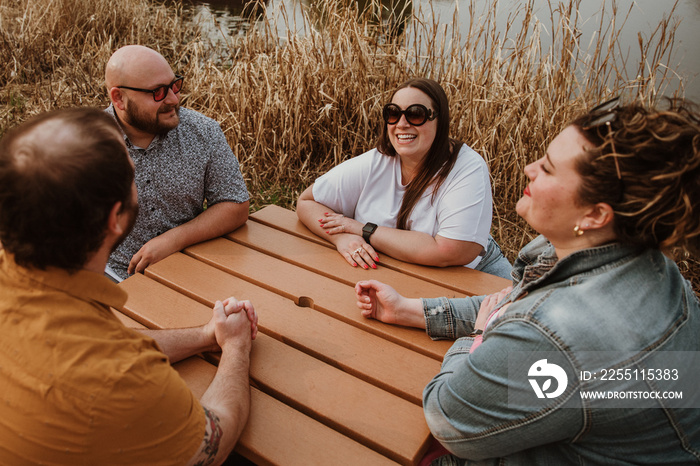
76	385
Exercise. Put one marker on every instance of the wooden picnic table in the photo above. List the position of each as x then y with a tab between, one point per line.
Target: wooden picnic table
328	386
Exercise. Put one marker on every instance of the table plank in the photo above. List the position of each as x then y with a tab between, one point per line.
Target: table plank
327	262
460	279
351	406
279	435
127	321
370	357
308	289
197	374
267	438
157	306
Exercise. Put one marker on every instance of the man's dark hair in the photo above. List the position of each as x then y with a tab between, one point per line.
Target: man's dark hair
61	173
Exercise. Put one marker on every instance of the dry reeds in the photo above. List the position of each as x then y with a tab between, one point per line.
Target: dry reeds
293	105
54	51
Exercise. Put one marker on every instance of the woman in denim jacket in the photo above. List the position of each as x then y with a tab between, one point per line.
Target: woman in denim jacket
592	356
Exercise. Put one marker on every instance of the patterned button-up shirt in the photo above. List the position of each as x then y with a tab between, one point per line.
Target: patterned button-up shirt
175	174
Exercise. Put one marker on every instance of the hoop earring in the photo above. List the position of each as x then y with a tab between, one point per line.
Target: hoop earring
578	231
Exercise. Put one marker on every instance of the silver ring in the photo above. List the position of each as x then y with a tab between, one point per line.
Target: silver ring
357	251
342	227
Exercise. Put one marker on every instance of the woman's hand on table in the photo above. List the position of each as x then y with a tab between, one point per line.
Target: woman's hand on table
379	301
356	251
338	223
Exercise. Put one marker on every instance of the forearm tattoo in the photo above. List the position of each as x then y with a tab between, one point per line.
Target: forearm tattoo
212	438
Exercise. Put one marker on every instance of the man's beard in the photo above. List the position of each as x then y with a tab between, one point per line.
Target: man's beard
146	123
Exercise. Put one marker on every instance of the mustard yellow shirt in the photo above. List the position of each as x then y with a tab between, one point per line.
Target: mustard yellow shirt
76	385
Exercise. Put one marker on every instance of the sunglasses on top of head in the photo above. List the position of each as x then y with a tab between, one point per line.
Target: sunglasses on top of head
605	114
415	114
160	92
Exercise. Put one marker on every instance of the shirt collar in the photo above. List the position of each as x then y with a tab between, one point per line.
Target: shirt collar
538	262
82	284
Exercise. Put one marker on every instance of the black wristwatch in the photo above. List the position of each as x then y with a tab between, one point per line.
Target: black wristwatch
367	230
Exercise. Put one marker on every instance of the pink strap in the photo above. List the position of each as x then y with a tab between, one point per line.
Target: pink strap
479	338
435	451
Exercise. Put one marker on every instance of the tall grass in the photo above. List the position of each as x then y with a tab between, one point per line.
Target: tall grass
293	105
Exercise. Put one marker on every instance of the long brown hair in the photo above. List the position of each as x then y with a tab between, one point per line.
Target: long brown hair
440	158
657	195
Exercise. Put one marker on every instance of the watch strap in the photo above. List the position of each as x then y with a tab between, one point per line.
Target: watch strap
367	230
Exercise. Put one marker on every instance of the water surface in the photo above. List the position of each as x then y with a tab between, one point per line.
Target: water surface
227	17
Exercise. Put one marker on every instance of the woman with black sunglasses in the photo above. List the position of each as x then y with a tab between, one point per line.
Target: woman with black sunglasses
592	356
420	196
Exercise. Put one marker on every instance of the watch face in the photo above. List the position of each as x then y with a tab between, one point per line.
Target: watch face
367	230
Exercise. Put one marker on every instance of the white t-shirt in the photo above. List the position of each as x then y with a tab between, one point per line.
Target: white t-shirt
368	188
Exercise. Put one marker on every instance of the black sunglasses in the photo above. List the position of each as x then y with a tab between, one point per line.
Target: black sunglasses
604	114
160	92
415	114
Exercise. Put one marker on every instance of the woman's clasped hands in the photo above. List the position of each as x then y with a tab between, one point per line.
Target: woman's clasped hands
350	245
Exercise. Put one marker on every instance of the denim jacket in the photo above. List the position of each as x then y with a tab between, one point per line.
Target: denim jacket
611	318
